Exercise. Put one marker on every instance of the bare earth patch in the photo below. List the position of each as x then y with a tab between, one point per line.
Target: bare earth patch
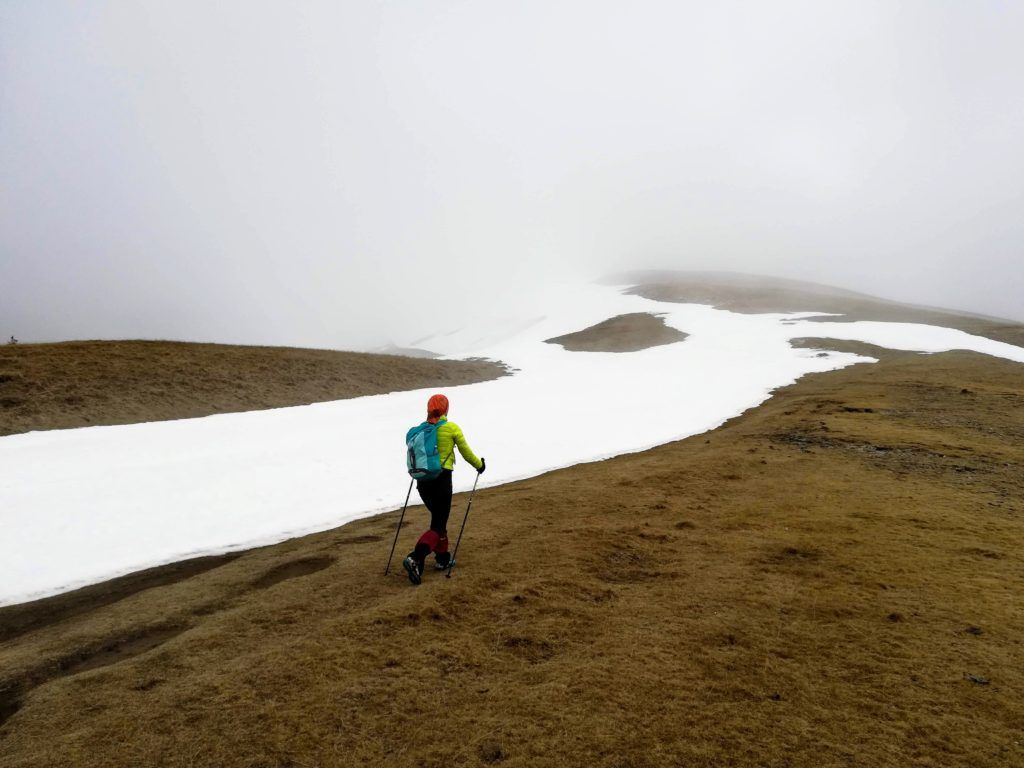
830	579
87	383
624	333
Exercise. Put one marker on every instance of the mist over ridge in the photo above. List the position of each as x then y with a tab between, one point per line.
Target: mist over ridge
342	176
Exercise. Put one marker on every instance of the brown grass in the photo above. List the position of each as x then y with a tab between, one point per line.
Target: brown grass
86	383
623	333
831	579
756	294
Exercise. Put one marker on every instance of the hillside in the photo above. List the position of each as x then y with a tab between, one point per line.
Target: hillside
830	579
88	383
758	293
624	333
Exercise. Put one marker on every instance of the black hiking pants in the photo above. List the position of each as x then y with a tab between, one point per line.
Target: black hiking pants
437	496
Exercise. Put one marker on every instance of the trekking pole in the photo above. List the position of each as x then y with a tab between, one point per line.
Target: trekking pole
399	528
464	519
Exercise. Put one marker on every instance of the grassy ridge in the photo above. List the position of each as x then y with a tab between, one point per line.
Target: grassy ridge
86	383
831	579
758	294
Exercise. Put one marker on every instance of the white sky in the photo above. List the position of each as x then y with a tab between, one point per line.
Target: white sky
336	174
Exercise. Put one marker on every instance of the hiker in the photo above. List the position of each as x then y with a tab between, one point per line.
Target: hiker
437	493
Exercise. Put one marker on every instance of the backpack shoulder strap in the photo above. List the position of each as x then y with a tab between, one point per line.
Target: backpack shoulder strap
413	431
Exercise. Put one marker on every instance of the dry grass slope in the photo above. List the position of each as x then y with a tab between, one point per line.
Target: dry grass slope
623	333
86	383
831	579
755	294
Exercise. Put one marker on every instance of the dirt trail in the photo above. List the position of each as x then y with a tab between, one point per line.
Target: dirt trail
18	619
831	579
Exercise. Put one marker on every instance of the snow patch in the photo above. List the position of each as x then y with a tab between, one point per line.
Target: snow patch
85	505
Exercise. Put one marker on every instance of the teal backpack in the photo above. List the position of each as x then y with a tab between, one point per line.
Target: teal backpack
422	457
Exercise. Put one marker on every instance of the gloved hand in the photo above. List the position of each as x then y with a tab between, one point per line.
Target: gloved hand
483	466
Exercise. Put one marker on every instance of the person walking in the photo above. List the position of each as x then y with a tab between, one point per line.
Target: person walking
437	493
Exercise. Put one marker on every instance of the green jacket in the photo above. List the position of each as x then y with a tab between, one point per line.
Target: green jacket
448	436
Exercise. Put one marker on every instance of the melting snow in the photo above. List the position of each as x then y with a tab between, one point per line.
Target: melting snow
84	505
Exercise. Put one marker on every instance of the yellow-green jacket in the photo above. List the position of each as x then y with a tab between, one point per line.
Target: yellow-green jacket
448	436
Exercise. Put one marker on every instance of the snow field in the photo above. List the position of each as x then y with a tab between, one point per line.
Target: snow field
85	505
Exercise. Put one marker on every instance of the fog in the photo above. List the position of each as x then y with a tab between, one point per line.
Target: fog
348	174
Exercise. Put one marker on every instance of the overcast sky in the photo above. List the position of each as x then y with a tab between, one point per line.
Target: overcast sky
336	173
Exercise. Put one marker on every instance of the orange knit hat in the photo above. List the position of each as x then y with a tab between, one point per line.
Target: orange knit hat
437	406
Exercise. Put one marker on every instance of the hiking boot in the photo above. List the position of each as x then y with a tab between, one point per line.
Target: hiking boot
413	569
439	566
